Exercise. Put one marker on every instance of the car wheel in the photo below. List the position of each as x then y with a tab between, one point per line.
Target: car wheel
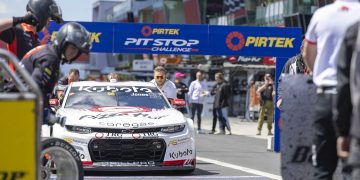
59	159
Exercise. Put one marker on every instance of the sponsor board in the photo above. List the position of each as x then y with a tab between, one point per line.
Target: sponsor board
299	99
192	39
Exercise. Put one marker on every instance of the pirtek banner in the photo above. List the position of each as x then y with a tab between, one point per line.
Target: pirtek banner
191	39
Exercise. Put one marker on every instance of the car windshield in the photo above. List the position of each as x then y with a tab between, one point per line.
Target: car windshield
110	96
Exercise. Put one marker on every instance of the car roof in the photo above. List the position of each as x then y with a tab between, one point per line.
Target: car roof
122	83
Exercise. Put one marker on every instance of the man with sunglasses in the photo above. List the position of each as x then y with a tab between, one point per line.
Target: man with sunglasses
166	86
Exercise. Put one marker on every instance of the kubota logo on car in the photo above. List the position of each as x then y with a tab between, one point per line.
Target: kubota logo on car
236	41
161	44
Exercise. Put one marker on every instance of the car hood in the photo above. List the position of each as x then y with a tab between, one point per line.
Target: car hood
121	117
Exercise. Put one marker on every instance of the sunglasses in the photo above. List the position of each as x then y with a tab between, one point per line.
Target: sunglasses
159	77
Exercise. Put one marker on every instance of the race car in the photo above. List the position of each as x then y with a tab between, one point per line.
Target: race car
129	126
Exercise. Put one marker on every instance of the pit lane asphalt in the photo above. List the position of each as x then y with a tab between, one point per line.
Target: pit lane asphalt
219	157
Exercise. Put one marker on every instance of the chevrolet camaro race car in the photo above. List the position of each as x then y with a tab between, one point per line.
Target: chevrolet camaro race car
128	126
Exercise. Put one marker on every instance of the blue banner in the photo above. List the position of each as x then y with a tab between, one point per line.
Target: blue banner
102	35
254	41
191	39
161	39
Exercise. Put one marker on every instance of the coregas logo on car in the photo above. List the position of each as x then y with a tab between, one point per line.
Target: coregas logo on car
133	125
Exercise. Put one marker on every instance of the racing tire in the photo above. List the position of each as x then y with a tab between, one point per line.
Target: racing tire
59	156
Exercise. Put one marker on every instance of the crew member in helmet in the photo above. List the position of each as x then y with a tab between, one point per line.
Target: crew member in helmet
20	33
43	62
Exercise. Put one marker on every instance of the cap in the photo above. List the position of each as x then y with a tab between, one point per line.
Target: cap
179	75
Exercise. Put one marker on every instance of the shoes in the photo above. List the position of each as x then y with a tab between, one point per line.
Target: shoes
270	134
258	133
229	133
221	133
212	132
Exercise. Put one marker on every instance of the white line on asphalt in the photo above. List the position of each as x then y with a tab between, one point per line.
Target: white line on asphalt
177	177
245	169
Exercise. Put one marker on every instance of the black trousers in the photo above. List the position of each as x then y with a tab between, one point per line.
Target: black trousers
324	158
195	107
215	117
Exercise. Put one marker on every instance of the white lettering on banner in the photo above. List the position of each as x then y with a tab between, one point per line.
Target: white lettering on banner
161	42
171	49
248	59
180	154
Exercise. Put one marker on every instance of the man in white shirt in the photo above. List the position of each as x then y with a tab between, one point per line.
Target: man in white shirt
323	39
165	85
197	91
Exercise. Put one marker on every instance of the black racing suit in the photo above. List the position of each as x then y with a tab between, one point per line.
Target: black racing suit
347	107
43	64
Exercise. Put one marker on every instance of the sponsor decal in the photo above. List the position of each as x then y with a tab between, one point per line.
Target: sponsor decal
302	154
235	41
108	135
145	135
114	89
69	140
161	44
178	141
147	31
125	164
120	109
104	116
180	154
13	175
186	162
139	94
95	36
81	155
133	125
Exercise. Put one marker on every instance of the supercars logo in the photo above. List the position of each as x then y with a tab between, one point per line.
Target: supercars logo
161	44
235	41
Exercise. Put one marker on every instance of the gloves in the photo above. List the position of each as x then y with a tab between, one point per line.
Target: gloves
28	19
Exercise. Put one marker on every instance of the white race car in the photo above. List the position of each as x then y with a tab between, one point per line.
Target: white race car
128	126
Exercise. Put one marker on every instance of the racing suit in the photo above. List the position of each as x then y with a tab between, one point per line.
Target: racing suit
43	64
347	114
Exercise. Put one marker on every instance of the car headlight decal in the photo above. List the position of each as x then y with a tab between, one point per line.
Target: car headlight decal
79	129
173	129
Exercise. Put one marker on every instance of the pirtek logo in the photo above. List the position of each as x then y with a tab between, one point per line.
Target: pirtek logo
180	154
147	31
236	41
95	37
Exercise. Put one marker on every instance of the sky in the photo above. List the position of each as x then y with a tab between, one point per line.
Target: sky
73	10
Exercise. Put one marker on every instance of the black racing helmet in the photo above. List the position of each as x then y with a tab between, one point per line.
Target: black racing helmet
42	10
75	34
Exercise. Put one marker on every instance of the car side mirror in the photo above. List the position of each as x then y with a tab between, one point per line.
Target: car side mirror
177	103
54	102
